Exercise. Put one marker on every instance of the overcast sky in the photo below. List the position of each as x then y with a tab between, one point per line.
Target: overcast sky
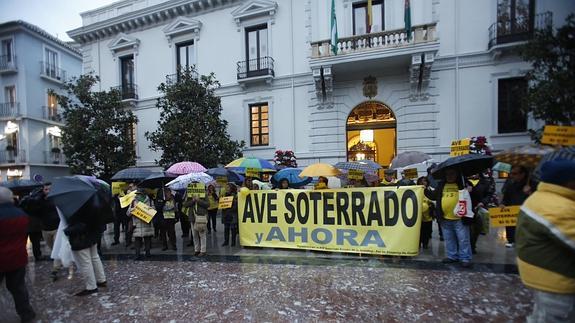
55	16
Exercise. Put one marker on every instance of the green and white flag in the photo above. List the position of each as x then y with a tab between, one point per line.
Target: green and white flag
407	19
333	38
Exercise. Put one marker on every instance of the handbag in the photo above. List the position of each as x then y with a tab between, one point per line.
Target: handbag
463	208
200	218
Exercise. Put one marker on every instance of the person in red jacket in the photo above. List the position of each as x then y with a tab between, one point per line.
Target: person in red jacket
13	255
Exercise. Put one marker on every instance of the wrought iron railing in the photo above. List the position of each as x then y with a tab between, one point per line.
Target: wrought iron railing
256	67
8	62
127	91
54	156
12	156
52	71
506	31
51	113
177	77
10	109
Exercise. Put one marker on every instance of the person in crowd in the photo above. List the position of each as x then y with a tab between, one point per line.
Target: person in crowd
482	196
404	181
83	232
426	217
322	183
213	208
168	226
248	183
432	185
230	217
545	243
515	191
184	220
120	221
13	255
283	184
142	231
198	214
389	178
455	233
29	205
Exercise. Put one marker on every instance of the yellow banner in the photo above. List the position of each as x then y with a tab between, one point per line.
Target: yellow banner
197	190
252	172
225	202
355	174
144	212
410	173
558	135
460	147
382	220
503	216
118	187
127	199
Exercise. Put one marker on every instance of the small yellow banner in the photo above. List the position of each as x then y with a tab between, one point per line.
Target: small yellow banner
127	199
559	135
118	187
225	202
410	173
504	216
460	147
221	180
355	174
252	172
144	212
197	190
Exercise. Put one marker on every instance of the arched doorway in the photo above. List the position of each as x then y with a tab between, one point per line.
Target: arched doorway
371	133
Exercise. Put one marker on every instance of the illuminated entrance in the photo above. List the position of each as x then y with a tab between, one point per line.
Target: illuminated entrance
371	133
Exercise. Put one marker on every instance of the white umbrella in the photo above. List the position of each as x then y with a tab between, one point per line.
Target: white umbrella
182	181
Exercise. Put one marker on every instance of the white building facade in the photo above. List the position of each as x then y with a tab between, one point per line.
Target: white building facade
32	64
385	91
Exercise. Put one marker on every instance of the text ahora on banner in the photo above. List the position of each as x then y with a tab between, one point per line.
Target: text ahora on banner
383	220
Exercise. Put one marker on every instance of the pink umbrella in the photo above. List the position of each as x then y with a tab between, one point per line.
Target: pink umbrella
186	167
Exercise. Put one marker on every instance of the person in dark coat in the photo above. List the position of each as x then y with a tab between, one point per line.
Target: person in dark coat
13	255
120	221
515	191
230	217
46	211
482	195
28	204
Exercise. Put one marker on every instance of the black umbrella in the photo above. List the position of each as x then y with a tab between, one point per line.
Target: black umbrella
19	186
157	179
132	174
232	176
70	193
467	165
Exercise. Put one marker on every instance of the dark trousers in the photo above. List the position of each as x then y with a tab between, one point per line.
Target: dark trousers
425	235
147	245
474	232
510	233
230	228
185	225
35	238
118	224
212	219
16	285
168	232
440	231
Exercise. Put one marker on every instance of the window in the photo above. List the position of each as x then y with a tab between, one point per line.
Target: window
10	95
55	142
131	129
511	106
259	124
127	77
514	16
50	63
7	51
52	107
256	47
360	23
185	55
12	142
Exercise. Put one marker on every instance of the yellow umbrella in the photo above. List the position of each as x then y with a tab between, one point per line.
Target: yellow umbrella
319	169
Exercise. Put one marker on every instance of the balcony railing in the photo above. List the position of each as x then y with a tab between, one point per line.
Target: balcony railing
10	109
52	114
8	63
12	156
175	78
519	29
127	91
54	157
52	71
262	66
384	39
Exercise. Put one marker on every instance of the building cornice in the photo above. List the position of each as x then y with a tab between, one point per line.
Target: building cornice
146	18
37	31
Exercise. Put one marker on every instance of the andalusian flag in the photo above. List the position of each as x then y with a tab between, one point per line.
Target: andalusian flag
407	19
369	16
333	38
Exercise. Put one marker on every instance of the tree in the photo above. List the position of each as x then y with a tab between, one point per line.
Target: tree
97	138
190	127
551	93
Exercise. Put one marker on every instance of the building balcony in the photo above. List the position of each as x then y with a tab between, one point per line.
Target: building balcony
510	31
52	72
8	64
256	69
128	91
12	156
175	78
54	156
9	110
375	46
52	114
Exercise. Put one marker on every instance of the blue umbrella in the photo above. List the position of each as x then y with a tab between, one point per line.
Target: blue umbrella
232	176
292	175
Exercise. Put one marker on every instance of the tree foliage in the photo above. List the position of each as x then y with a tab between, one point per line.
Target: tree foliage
551	94
190	127
97	137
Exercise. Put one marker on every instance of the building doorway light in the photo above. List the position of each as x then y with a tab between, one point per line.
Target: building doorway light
366	135
11	127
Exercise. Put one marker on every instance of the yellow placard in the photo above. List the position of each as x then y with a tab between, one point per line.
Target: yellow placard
380	220
127	199
559	135
222	180
118	187
460	147
503	216
225	202
410	173
355	174
144	212
252	172
197	190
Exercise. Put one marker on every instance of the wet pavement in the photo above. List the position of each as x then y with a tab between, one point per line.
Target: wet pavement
240	284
